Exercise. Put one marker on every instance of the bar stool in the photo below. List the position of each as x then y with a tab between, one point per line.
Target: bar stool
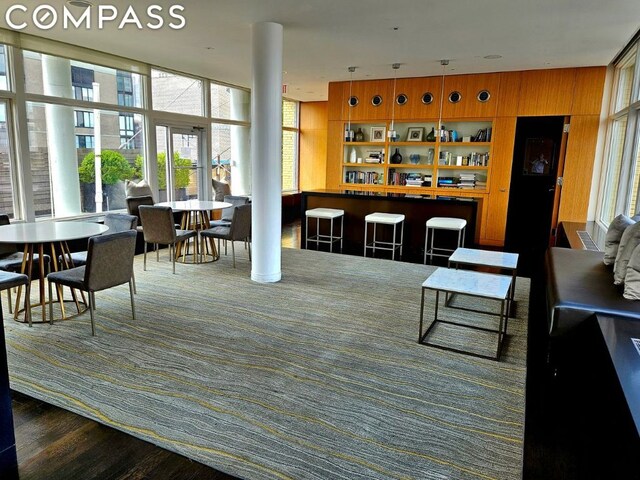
10	280
443	223
326	214
384	219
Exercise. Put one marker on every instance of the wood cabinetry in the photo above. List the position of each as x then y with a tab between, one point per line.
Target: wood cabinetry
573	92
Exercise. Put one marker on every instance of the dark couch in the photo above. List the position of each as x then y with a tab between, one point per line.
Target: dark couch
579	284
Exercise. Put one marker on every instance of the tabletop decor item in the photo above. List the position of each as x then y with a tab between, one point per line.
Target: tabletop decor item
396	158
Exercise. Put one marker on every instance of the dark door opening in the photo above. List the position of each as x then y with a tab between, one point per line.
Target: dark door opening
536	156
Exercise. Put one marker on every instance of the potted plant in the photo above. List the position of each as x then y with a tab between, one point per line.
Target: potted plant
115	169
182	176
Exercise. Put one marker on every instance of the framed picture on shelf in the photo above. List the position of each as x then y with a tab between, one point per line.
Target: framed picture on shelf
377	134
415	134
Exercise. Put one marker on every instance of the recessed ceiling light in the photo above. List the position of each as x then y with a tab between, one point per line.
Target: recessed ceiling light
80	3
492	57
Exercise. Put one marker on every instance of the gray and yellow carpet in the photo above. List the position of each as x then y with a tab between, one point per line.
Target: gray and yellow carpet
318	376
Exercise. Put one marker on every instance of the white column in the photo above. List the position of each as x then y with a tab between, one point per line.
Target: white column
97	148
240	145
266	151
61	143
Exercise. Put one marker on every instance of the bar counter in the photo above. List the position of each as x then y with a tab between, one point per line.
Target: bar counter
416	208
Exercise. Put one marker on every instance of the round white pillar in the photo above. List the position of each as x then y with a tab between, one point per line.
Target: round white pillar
266	151
241	150
61	140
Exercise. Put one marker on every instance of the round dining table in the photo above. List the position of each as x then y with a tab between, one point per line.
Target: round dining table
195	216
50	238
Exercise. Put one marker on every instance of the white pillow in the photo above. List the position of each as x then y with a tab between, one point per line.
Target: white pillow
630	239
140	189
614	234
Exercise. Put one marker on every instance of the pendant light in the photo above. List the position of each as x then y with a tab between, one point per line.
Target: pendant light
348	133
444	63
392	133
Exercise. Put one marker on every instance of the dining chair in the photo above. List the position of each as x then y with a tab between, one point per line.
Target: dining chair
227	213
109	264
160	230
239	229
9	280
133	207
11	259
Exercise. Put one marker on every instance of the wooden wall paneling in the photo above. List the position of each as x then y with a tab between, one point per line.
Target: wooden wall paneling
588	91
578	168
494	226
334	153
313	145
415	88
337	101
547	92
509	94
469	86
365	90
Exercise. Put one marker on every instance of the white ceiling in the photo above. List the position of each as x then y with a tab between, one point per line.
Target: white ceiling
323	37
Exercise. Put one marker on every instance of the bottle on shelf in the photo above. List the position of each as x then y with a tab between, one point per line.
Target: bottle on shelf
396	158
352	155
359	135
431	136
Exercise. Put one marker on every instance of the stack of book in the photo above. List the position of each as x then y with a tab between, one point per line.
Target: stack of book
374	156
467	180
413	180
447	182
354	176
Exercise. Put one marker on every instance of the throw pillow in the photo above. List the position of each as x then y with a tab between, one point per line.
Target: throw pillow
220	189
632	278
630	239
139	189
614	234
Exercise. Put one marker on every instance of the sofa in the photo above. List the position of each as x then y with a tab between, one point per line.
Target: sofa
578	285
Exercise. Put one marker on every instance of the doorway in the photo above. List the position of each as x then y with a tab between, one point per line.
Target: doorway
181	174
537	161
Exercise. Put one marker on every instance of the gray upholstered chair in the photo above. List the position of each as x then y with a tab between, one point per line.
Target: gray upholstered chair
117	222
109	264
239	229
159	229
11	259
227	213
9	280
133	207
220	189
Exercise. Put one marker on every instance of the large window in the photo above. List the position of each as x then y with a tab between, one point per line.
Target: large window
176	93
290	135
621	179
6	186
4	84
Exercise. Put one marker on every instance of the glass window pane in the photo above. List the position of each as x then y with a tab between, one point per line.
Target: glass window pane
6	185
289	160
624	84
289	114
633	206
4	78
63	160
614	163
176	93
231	159
61	77
230	103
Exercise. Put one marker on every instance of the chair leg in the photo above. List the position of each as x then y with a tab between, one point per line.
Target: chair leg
133	280
144	262
9	300
157	247
233	252
27	302
50	305
91	312
248	243
173	257
132	290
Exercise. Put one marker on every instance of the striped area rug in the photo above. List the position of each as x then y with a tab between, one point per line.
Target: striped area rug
319	376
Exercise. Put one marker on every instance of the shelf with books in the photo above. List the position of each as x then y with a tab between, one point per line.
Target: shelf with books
407	177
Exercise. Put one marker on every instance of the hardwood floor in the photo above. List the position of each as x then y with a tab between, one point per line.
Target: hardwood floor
574	429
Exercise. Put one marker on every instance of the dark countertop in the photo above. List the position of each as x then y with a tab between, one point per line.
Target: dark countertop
388	195
617	333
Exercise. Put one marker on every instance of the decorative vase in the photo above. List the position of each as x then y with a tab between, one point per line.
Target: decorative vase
359	135
352	155
431	136
414	158
396	157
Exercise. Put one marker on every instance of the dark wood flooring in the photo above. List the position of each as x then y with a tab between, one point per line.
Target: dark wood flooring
576	425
